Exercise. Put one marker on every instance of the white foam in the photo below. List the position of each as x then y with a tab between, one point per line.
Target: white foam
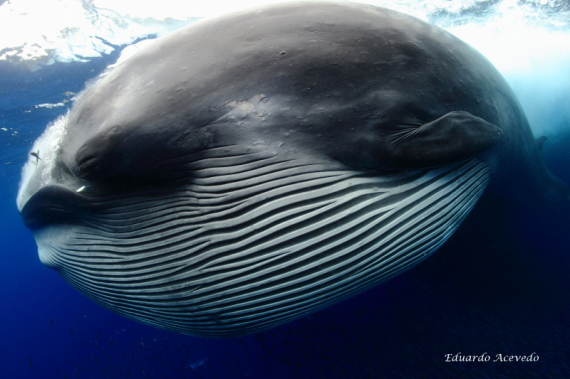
50	105
36	175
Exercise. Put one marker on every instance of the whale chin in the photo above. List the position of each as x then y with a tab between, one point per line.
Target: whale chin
249	241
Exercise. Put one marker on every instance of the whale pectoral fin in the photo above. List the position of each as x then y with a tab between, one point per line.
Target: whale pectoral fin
454	137
540	142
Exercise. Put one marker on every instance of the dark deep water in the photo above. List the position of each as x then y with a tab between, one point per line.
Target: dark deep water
500	285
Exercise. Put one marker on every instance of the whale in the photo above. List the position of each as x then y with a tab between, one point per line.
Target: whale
255	167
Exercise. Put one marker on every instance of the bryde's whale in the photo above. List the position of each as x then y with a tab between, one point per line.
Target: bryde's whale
249	169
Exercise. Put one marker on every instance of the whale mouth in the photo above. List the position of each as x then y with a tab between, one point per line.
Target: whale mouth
53	204
250	242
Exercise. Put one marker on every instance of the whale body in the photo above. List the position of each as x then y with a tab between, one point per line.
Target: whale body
252	168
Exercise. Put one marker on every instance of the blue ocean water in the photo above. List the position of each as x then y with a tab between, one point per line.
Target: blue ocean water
500	285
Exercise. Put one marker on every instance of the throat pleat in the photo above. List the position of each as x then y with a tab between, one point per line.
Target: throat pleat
252	241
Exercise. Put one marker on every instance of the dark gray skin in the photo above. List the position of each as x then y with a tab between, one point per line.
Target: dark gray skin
361	85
